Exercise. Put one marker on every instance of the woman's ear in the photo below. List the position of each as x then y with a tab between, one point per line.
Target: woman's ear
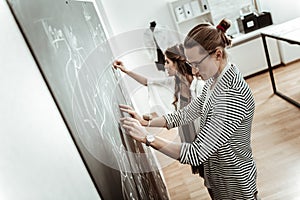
219	54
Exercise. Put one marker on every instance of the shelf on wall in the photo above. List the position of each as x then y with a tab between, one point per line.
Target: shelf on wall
188	19
188	13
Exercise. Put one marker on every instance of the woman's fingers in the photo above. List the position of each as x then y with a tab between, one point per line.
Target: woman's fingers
130	124
125	106
128	128
117	64
134	128
129	121
131	112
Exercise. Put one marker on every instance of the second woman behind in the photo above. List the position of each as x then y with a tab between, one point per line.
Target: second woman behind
178	72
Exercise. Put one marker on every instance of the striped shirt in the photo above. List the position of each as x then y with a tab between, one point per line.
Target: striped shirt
223	143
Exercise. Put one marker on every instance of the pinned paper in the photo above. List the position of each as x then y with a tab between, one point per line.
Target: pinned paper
188	10
180	15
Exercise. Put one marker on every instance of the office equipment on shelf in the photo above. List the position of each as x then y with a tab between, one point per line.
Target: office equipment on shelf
264	19
254	21
247	23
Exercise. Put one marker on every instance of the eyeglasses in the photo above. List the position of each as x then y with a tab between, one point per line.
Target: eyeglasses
196	64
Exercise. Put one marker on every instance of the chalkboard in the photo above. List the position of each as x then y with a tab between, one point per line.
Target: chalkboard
69	45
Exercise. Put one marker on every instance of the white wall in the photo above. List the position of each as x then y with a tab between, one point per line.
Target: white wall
281	10
38	159
128	15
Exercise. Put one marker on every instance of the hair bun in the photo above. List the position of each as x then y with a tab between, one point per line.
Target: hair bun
180	47
224	25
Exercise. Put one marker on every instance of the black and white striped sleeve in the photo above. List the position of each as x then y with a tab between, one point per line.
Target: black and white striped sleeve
185	115
228	113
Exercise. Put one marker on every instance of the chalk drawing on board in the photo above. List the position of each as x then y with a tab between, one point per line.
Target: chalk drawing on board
70	48
127	181
66	39
96	30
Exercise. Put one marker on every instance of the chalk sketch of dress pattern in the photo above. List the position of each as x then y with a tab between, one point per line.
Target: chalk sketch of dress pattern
75	58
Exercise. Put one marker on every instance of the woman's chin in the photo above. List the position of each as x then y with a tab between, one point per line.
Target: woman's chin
203	77
198	75
170	74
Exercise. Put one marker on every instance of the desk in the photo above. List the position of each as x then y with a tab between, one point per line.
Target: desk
288	32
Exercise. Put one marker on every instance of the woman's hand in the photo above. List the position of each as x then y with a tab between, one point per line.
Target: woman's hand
119	65
134	129
132	113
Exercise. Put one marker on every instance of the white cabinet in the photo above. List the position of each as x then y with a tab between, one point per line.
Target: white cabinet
188	13
288	52
250	56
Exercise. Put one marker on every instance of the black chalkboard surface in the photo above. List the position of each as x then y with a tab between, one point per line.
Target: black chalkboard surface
69	45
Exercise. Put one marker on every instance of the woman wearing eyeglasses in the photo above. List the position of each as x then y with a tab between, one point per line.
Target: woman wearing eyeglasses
226	109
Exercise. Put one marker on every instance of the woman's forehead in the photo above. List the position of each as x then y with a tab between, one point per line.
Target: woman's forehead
192	54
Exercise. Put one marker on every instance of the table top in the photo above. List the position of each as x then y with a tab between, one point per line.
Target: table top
288	30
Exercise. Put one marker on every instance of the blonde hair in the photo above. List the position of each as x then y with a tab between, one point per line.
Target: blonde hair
209	37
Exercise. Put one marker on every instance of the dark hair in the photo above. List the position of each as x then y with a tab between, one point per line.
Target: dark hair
176	54
208	36
177	90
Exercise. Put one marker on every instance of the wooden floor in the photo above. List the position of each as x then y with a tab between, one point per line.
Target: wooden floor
275	143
